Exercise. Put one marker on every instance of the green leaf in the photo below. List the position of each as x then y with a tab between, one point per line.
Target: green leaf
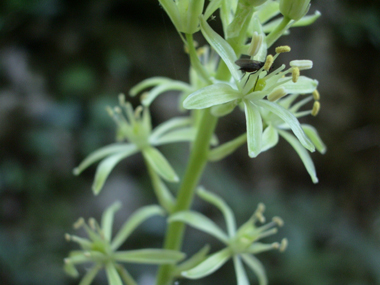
215	94
290	119
210	265
256	266
105	167
103	152
200	222
112	275
254	128
222	206
303	154
303	85
222	47
90	275
159	163
241	275
147	83
134	221
270	138
107	219
268	10
192	261
164	87
149	256
313	135
227	148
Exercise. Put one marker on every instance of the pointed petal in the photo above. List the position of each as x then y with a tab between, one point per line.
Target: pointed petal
215	94
227	148
270	138
159	163
147	83
192	261
241	275
210	265
222	47
101	153
112	275
303	154
222	206
304	85
290	119
254	128
105	167
200	222
179	135
159	89
134	221
107	219
256	266
149	256
168	126
313	135
90	275
125	276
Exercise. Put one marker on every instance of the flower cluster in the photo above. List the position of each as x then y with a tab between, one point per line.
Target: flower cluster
241	244
101	250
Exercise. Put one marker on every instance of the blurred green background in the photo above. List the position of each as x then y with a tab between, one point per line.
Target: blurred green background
62	62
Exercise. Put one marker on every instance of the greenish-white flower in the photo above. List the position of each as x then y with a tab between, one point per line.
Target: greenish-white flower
101	250
294	9
252	93
241	244
135	127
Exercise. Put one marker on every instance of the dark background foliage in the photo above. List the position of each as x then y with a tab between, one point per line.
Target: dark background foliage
62	62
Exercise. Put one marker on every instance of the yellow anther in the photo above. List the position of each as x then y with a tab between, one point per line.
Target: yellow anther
268	62
277	94
255	44
284	244
295	74
278	221
201	51
282	49
316	108
138	111
316	95
67	237
109	111
79	223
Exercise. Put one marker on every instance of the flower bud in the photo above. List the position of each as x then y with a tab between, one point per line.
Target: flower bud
294	9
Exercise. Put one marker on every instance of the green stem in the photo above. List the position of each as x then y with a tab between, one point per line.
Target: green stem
195	167
278	31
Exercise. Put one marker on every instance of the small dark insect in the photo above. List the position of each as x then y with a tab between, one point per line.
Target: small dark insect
249	65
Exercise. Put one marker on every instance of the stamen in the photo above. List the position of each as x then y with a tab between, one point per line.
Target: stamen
67	237
110	111
268	62
316	95
302	64
282	49
316	108
121	99
277	94
278	221
138	112
295	74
